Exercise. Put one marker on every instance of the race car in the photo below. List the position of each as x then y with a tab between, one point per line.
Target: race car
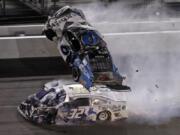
74	104
82	47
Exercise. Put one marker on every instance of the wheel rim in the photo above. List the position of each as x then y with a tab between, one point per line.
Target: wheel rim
103	116
76	74
40	120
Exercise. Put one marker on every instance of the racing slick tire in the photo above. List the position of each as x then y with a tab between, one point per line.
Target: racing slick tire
76	74
50	34
104	116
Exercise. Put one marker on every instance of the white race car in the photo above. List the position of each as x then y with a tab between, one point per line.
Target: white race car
60	104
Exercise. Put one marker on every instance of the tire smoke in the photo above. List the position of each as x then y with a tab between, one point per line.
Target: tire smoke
151	63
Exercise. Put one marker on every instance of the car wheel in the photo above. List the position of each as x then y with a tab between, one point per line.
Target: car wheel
76	74
104	116
50	34
40	119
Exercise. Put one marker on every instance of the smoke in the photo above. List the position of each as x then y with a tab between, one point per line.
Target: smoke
155	88
153	74
154	79
124	11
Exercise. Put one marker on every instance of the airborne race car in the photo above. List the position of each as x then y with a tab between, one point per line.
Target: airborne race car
82	47
71	104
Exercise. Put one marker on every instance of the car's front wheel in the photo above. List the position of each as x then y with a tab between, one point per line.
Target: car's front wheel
50	34
76	74
104	116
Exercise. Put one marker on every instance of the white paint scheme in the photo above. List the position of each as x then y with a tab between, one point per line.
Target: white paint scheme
100	97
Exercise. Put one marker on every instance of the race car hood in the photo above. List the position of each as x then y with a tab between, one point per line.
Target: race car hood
105	92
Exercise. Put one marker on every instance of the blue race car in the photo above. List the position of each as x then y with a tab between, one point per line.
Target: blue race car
82	47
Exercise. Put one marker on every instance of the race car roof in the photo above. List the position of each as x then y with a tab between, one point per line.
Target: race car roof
78	90
75	89
99	91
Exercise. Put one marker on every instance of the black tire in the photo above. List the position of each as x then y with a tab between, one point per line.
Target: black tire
104	116
40	120
50	34
76	74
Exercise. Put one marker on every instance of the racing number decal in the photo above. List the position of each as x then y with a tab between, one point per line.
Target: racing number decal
76	113
72	113
79	113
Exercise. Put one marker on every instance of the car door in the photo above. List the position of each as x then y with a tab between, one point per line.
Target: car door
78	109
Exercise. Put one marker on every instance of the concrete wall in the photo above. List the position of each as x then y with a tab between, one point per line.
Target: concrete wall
15	30
144	43
132	26
123	38
147	52
23	48
147	59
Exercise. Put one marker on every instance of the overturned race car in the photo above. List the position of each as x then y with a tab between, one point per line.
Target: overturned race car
59	104
82	47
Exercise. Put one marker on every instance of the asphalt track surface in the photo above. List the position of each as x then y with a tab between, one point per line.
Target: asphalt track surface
13	91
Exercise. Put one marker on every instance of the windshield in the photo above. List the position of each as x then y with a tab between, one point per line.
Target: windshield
61	96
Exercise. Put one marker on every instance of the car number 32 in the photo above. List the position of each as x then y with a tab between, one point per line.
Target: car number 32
76	113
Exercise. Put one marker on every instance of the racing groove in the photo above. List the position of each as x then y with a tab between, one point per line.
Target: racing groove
12	92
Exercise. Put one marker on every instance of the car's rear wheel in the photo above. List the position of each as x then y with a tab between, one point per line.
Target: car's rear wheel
104	116
76	74
40	120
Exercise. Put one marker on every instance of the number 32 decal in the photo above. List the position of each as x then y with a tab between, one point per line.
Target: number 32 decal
76	113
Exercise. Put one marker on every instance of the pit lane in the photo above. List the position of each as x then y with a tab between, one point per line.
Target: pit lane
14	90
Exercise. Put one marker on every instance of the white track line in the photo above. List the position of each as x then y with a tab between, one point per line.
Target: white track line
8	106
23	26
105	34
141	22
142	33
22	37
112	23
